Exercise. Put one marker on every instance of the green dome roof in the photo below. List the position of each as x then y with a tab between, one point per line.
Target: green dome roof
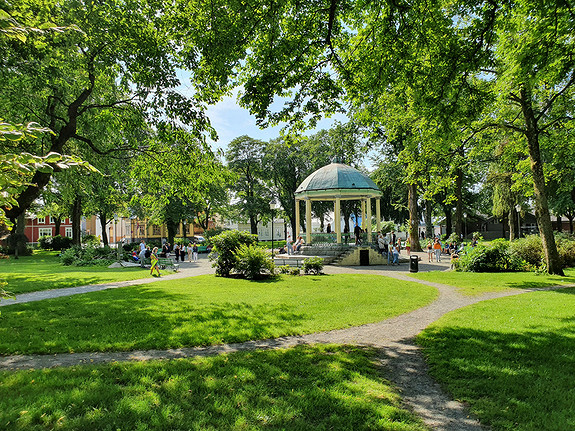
338	177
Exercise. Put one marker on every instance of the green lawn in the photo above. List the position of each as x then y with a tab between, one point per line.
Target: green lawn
477	283
304	388
511	359
43	271
204	310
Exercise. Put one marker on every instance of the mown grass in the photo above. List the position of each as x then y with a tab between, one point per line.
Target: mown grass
477	283
511	359
204	310
304	388
43	271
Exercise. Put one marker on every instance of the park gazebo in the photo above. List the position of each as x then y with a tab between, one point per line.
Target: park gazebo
337	182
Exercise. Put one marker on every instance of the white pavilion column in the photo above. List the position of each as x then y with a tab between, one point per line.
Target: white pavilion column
378	214
337	219
308	221
363	214
368	224
297	227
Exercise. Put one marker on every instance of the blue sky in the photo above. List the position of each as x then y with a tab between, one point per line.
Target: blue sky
230	121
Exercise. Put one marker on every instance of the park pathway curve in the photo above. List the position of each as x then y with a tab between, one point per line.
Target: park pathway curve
394	338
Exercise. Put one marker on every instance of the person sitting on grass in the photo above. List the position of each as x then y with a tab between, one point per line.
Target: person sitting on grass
154	262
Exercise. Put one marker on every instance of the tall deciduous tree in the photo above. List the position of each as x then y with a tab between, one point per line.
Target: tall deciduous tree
245	158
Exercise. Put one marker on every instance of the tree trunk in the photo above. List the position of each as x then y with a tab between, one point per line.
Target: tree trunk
511	217
103	220
413	218
458	203
540	197
448	219
76	220
171	225
253	225
428	222
18	240
559	224
57	225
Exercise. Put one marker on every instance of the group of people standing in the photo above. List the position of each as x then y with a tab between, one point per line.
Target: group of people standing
390	248
180	252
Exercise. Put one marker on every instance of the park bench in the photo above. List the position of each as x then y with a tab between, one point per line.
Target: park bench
291	262
166	262
163	263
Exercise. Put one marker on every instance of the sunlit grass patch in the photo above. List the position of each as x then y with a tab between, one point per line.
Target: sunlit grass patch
477	283
43	271
511	359
204	310
311	388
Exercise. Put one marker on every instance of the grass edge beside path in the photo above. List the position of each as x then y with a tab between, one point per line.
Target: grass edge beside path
510	359
204	310
43	271
478	283
318	387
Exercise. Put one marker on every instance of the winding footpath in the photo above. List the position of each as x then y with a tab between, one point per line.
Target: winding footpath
394	338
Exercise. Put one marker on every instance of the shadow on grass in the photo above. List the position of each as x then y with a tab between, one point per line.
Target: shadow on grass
519	381
311	388
137	318
541	284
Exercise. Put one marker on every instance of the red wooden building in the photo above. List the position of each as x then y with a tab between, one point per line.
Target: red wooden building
37	227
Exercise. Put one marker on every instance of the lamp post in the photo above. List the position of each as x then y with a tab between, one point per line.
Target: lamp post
465	217
518	209
273	206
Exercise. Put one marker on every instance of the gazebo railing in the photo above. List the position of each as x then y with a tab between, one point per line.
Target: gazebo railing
322	238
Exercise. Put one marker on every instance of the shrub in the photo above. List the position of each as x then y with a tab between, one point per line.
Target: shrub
224	248
88	256
294	271
566	248
284	269
495	258
253	261
528	248
60	242
312	265
91	240
45	243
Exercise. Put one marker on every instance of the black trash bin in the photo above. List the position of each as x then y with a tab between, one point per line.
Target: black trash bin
413	264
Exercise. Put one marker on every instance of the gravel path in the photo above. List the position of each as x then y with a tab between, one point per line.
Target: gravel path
395	339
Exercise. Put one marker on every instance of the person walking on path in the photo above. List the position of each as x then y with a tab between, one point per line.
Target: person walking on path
190	251
408	245
195	252
429	251
289	244
437	248
154	262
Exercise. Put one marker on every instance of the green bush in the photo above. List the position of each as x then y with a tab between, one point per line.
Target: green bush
566	248
60	242
88	256
91	241
312	265
294	271
45	242
253	262
528	248
224	249
495	258
284	269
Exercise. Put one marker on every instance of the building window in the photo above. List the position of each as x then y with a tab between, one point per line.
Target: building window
156	230
68	232
44	231
51	220
41	220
